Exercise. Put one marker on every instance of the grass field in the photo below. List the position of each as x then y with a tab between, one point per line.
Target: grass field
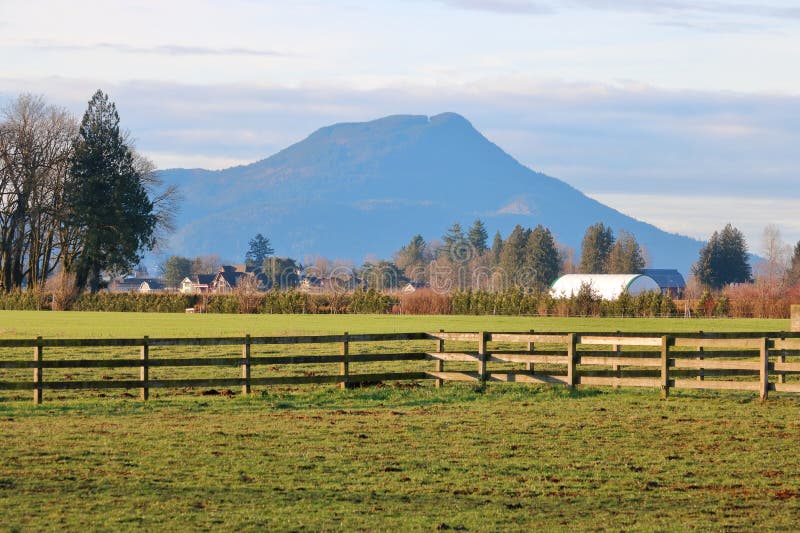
27	324
395	457
512	458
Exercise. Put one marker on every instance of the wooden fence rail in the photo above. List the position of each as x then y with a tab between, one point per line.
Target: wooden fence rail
664	362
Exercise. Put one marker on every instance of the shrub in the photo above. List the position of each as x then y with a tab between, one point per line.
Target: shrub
425	302
27	300
134	302
721	307
705	306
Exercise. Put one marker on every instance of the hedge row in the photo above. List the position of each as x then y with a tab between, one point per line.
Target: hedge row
134	302
513	302
282	302
585	303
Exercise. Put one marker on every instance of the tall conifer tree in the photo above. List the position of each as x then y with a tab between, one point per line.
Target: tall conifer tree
107	200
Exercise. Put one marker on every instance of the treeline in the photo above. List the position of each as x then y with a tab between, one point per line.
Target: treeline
528	258
76	196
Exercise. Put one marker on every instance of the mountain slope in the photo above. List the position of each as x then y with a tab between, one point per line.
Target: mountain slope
354	189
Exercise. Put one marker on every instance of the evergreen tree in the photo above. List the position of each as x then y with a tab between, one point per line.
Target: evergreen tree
512	256
723	260
793	274
595	249
107	201
497	248
626	255
382	276
413	258
705	270
258	250
414	253
282	272
478	237
174	269
541	256
455	245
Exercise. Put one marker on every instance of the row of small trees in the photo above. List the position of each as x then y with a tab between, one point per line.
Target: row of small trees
511	302
527	258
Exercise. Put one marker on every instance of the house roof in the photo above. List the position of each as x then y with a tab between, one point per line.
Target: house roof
204	279
666	278
135	283
126	284
154	284
232	277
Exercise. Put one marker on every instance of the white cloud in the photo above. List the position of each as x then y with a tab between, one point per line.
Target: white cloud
766	9
502	6
602	138
700	216
164	49
165	160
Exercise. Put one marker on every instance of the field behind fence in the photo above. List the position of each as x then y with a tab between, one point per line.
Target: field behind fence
759	362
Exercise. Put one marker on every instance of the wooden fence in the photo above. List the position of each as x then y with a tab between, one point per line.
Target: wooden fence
732	361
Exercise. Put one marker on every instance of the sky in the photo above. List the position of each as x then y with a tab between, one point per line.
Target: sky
685	114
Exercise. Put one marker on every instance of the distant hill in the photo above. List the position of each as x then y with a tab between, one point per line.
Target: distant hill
354	189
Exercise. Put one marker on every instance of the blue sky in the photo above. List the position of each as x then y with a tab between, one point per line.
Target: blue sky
682	113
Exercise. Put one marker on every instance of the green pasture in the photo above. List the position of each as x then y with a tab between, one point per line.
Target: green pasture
26	324
512	458
23	324
391	457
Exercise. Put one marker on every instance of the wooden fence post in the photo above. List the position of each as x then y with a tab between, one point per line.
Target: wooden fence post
438	365
782	374
246	365
344	370
482	358
617	369
764	369
531	348
665	341
700	375
37	371
144	370
572	345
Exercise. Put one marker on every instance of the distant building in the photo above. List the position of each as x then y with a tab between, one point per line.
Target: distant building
151	285
230	277
136	285
197	284
670	281
311	284
412	287
607	286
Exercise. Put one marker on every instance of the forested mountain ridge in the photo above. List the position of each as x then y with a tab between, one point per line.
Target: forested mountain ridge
354	189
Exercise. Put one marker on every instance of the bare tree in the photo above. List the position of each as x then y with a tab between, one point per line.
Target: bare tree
36	143
166	198
776	256
205	264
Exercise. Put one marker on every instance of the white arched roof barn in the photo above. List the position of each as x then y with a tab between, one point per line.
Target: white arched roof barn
607	286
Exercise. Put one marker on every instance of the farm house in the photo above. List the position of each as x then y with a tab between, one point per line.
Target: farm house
607	286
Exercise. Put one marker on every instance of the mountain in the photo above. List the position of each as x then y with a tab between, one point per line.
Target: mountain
354	189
